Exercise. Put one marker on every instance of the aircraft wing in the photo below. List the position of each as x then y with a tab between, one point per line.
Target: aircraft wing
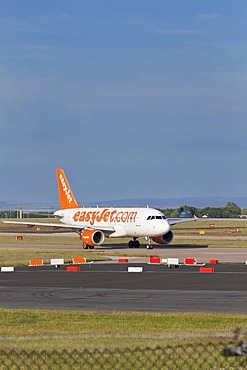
62	226
174	221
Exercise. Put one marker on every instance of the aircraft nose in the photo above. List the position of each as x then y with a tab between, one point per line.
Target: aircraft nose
166	227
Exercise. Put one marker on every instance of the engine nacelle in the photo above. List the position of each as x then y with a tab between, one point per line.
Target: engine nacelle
92	237
164	239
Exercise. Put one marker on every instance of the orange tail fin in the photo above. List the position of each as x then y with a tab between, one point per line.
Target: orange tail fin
67	199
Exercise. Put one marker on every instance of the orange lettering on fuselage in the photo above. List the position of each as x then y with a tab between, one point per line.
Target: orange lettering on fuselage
105	216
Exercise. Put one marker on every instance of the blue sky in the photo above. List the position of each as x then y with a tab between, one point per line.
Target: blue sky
133	99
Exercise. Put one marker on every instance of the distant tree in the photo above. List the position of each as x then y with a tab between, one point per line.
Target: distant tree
171	212
231	210
8	214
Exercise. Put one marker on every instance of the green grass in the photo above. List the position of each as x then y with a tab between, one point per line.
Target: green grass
21	257
50	329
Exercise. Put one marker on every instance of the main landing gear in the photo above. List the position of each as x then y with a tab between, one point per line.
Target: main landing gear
86	246
134	243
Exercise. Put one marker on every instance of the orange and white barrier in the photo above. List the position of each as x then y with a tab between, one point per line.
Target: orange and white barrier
57	261
190	261
155	260
172	262
79	260
36	263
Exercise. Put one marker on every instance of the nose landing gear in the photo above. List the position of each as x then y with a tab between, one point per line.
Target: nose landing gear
149	245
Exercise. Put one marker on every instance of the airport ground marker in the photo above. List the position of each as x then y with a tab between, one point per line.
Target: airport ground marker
172	262
36	262
123	260
79	260
206	269
190	261
135	269
154	260
73	268
57	261
214	262
7	269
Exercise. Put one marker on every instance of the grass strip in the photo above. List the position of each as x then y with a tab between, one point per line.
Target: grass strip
21	257
48	329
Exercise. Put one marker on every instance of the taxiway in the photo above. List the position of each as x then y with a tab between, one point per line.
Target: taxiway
111	288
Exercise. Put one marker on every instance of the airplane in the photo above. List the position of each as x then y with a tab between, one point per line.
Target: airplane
95	224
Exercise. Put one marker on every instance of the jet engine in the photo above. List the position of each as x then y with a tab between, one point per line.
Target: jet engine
92	237
164	239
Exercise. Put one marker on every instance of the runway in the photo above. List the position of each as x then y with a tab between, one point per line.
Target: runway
110	288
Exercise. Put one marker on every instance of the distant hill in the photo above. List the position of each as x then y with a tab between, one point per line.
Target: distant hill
198	202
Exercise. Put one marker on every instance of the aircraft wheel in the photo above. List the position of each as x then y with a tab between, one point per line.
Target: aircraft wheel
137	244
131	244
149	246
85	246
91	247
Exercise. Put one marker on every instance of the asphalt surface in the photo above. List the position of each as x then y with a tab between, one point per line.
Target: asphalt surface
110	288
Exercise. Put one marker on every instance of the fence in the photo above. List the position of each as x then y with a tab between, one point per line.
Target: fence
210	355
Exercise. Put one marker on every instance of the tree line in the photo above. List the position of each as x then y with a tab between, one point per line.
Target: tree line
231	210
16	214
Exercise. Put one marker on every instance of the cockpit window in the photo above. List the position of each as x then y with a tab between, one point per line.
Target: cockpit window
156	217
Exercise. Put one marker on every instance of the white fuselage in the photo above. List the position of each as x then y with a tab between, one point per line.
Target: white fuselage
117	222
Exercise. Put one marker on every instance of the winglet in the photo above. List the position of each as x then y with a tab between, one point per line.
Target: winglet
67	199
